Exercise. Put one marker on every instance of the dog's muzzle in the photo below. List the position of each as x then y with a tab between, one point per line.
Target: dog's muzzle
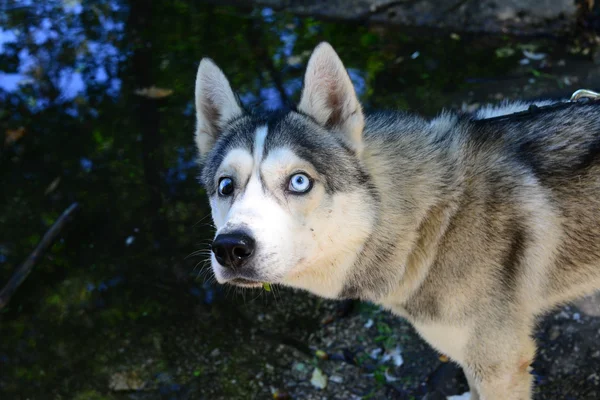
233	250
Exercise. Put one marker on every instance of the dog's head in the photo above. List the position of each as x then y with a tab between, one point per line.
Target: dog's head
290	198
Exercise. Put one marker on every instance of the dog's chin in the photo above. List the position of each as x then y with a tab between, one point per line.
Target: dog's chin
245	283
227	277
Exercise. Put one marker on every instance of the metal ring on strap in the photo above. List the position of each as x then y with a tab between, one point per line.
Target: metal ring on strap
585	93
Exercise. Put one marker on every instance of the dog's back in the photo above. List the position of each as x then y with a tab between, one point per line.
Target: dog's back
521	193
559	147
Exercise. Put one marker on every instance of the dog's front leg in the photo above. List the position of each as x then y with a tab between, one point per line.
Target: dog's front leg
497	367
473	385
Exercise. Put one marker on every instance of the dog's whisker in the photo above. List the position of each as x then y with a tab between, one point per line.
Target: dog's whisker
202	219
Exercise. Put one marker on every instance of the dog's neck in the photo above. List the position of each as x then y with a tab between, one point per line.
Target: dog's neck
414	210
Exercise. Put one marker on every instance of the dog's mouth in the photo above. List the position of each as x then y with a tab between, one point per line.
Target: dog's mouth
243	282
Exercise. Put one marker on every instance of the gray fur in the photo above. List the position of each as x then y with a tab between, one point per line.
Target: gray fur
481	222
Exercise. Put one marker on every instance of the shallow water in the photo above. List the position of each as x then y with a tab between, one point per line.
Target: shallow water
96	106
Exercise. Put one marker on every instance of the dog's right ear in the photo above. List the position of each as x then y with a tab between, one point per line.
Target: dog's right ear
329	96
216	104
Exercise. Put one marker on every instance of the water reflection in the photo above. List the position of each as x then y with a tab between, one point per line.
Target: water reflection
58	51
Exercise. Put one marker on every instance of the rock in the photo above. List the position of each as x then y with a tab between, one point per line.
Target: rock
519	17
123	381
394	355
299	367
318	379
388	377
375	353
554	333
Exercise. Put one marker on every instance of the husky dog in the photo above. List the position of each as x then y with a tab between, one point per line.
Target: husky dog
469	226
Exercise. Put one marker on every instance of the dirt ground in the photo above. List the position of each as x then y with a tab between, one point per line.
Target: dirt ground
291	345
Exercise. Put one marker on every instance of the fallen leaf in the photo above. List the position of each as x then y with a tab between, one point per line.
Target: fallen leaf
504	52
12	135
277	395
534	56
318	379
154	92
52	186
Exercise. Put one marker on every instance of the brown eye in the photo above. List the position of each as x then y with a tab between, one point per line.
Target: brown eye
225	186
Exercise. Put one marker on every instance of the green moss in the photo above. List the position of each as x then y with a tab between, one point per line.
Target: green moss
91	395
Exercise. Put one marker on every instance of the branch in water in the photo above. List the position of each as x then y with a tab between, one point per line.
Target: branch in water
23	271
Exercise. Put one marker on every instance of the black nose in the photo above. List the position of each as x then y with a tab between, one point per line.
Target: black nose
233	249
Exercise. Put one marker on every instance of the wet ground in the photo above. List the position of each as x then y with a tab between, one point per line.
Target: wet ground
96	107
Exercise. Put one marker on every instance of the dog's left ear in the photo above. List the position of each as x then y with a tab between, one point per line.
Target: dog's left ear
329	96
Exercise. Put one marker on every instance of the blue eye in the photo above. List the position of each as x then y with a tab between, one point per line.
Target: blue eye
225	186
299	183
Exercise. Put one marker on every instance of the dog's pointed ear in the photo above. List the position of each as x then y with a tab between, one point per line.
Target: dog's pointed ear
329	96
216	104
